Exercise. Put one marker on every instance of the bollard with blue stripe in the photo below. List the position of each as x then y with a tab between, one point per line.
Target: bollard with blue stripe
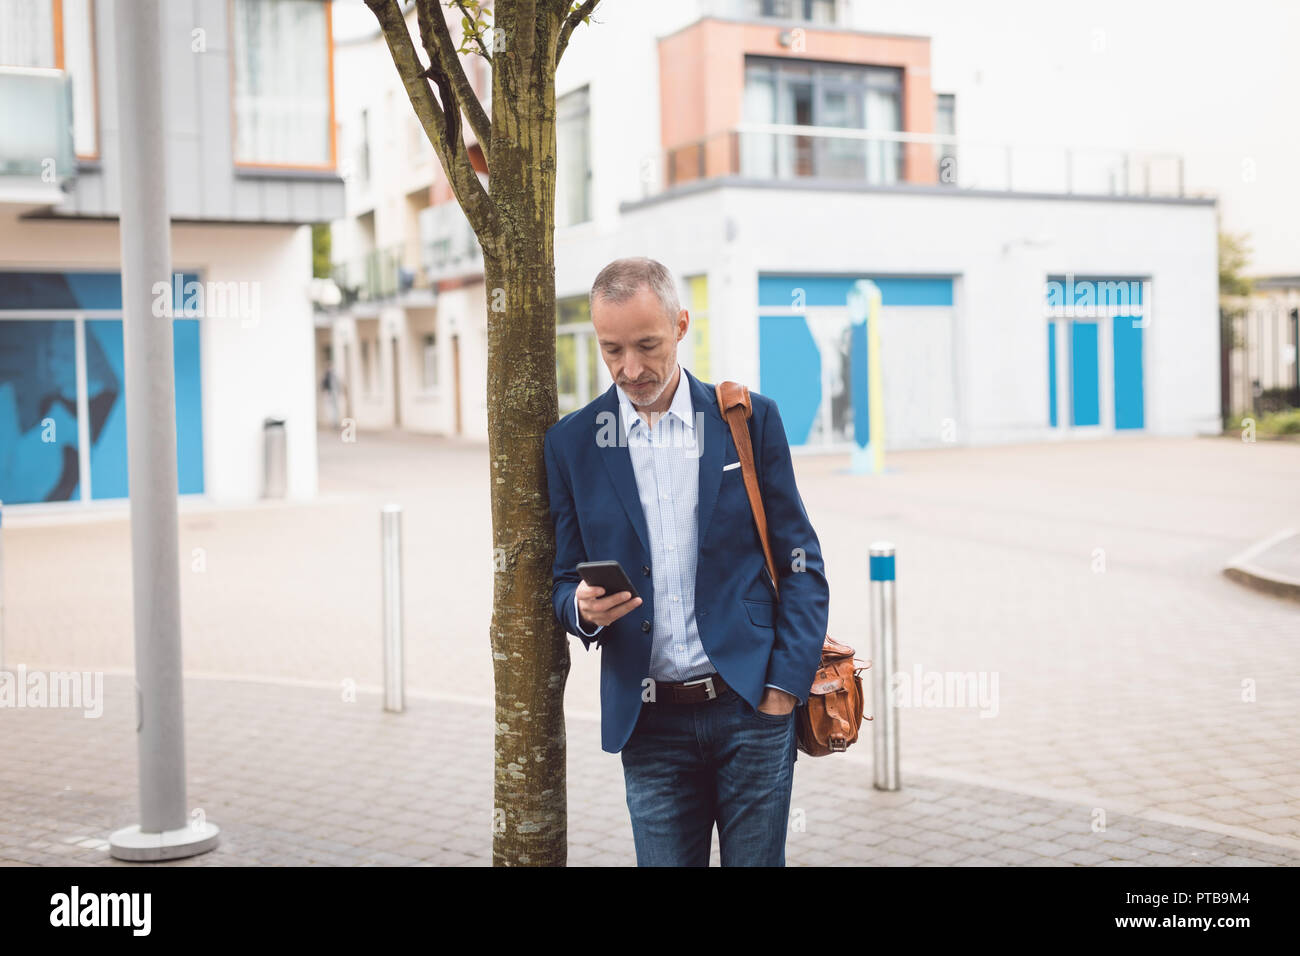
884	657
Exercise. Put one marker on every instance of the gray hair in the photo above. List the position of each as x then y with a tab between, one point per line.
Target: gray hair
624	278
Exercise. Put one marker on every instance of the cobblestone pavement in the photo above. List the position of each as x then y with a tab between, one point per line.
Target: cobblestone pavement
1082	581
294	775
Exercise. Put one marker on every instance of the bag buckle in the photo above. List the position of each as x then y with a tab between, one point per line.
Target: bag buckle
838	744
708	686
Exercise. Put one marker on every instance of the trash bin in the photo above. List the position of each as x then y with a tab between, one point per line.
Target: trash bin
273	457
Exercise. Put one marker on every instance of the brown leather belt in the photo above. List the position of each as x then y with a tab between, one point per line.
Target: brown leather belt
696	691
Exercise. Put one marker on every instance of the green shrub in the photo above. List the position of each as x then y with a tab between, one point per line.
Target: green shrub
1286	422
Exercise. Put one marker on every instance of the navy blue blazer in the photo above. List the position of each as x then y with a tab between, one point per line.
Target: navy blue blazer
751	638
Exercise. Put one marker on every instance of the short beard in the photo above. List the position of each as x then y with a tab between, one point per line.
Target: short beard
663	386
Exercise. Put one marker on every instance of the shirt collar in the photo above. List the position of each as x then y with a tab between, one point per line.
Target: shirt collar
681	406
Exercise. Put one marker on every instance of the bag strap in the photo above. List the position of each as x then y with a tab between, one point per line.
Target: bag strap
733	401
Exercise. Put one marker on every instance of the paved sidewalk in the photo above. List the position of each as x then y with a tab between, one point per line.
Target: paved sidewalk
293	775
1084	577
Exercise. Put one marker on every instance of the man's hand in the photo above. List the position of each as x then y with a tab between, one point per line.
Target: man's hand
595	608
777	702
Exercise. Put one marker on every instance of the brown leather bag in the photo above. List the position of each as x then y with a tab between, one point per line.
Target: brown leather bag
830	721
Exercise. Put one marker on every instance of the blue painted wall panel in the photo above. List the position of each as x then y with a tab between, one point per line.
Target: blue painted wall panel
790	372
860	384
779	290
64	290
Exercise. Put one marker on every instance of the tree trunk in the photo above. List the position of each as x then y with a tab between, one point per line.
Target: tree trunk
529	648
515	224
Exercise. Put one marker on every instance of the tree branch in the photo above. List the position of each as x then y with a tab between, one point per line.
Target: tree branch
478	37
570	24
441	123
442	54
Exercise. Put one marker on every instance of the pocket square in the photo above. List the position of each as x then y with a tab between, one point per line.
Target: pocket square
734	464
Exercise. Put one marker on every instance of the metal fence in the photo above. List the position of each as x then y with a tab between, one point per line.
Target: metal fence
1259	350
790	153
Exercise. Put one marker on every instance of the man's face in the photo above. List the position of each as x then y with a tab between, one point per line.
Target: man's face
639	344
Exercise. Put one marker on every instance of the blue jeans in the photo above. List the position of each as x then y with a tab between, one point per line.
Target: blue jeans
689	766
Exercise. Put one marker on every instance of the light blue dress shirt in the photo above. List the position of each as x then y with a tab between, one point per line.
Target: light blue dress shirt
666	463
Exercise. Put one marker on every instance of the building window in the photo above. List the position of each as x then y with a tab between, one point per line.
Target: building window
813	11
363	150
839	96
573	158
429	365
367	381
27	34
577	375
284	111
32	36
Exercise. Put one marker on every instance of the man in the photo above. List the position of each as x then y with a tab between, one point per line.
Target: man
701	672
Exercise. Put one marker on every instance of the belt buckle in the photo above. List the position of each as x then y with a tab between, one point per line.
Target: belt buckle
708	686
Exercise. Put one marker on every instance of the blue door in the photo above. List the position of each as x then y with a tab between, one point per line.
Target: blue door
1051	374
1127	337
1085	404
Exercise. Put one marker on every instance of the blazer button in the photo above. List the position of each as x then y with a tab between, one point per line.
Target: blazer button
645	569
645	626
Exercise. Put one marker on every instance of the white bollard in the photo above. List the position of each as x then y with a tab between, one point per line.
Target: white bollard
391	545
884	653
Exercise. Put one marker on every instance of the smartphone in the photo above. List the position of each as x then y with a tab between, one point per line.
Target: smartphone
608	575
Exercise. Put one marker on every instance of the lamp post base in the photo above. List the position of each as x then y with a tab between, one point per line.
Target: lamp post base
131	843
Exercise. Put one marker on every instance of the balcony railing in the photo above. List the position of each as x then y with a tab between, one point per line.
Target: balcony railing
391	272
448	245
36	144
375	276
822	12
860	157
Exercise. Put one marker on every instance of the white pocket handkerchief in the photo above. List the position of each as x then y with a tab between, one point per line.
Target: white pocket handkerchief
734	464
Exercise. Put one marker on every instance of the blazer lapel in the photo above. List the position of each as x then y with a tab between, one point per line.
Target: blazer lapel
713	441
612	451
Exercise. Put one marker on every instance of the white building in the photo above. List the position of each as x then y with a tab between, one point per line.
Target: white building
1030	292
410	339
250	160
